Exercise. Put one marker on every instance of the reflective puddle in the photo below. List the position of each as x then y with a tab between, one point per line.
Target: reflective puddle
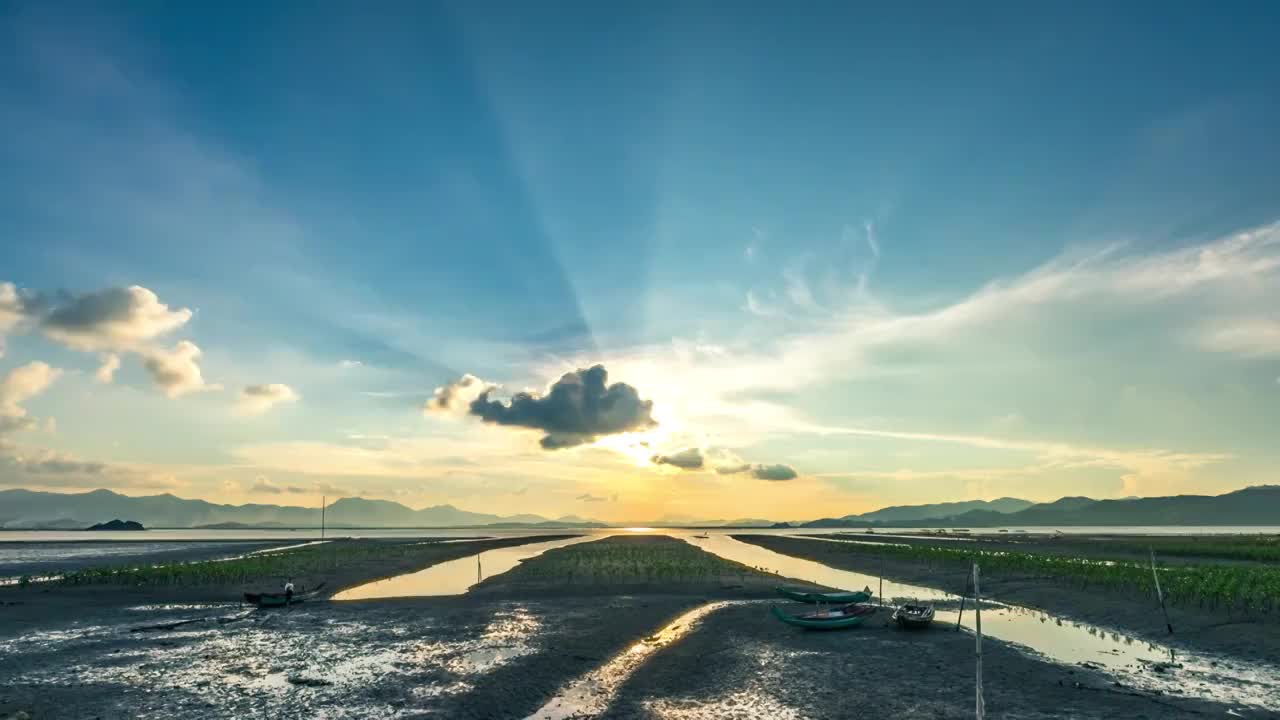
1131	660
455	577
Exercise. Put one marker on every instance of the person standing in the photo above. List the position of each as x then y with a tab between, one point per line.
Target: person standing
288	591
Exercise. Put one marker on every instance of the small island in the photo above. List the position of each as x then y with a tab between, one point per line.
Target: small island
117	525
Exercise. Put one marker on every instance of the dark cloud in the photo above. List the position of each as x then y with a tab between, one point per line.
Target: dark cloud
773	472
112	319
588	497
761	472
580	407
687	459
295	490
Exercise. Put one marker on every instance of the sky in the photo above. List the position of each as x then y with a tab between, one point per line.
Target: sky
639	261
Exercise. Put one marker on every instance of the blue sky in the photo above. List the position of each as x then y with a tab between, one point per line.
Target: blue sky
920	254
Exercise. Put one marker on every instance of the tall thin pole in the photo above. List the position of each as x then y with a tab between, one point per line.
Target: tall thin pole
322	504
980	707
881	597
1160	596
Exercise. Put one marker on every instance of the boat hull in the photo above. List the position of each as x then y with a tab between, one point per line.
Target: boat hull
832	598
913	617
834	623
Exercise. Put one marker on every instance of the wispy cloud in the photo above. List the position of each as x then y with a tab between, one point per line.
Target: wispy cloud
258	399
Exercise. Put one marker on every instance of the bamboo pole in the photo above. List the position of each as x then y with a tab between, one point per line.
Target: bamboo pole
1160	596
881	595
980	707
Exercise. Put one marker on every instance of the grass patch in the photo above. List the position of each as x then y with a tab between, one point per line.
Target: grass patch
311	561
1256	548
630	560
1249	588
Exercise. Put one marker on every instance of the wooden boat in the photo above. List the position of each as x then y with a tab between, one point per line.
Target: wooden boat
278	599
913	616
845	616
831	598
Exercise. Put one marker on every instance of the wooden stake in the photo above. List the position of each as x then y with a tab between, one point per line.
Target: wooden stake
980	707
322	504
1160	596
881	596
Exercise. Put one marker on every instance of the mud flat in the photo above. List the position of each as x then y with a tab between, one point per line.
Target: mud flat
46	558
337	565
625	627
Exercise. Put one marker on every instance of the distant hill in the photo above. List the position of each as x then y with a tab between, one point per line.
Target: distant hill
27	508
920	514
1259	505
747	522
909	513
117	525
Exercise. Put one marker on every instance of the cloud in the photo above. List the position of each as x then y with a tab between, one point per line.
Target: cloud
64	466
112	319
258	399
761	472
687	459
106	372
176	371
12	311
773	472
1247	337
578	408
457	396
588	497
18	386
264	486
40	467
348	364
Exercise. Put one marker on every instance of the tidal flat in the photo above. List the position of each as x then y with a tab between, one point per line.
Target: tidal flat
628	626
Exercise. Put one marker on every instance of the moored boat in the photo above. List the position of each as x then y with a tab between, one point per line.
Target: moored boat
845	616
830	598
913	616
279	599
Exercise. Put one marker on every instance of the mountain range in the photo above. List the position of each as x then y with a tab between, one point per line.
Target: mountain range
22	509
1257	505
26	508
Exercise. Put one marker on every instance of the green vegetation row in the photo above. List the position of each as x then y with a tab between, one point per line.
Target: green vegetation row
1250	588
1259	548
309	560
654	560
